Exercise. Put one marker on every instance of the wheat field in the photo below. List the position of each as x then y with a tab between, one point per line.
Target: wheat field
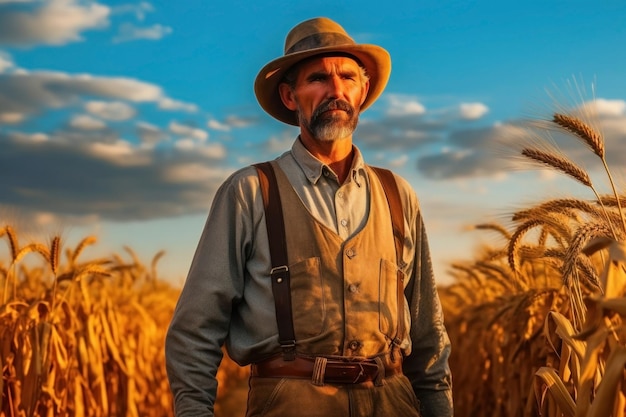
541	316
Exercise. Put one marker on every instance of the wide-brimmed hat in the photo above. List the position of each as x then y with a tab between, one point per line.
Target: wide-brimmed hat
315	37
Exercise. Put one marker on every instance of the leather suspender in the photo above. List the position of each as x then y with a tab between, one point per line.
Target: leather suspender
397	219
279	273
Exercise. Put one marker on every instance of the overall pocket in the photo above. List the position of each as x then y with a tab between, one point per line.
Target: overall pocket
307	298
388	298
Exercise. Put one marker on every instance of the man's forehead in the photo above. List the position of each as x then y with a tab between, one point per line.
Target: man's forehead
328	61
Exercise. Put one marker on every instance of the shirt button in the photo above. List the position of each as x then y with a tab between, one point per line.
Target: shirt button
344	222
350	253
340	194
353	288
354	345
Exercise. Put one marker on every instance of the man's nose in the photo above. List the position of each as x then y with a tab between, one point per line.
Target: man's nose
335	87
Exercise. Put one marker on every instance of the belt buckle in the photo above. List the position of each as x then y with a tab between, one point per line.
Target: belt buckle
361	376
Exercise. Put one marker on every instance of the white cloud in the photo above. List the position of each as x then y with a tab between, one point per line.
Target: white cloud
53	22
149	133
9	118
33	92
231	122
185	144
29	137
129	32
6	62
404	106
188	131
609	108
113	110
120	153
166	103
212	150
116	87
277	144
472	111
209	150
217	125
239	122
117	149
139	10
191	172
86	122
399	161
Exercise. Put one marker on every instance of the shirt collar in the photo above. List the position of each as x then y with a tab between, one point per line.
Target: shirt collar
313	168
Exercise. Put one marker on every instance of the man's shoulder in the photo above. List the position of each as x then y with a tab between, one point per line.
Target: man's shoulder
242	175
407	193
403	184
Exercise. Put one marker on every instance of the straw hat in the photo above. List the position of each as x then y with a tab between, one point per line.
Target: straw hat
314	37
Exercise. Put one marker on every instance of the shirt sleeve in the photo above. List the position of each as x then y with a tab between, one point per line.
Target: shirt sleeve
427	365
214	284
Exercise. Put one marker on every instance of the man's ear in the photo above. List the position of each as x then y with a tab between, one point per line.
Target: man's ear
366	89
286	95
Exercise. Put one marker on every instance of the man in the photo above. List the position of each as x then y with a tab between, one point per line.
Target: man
337	310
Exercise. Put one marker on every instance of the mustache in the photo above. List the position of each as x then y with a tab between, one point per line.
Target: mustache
333	105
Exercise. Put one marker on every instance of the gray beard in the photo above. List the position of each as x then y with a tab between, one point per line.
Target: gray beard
329	129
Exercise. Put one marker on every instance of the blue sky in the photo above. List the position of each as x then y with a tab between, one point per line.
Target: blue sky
121	118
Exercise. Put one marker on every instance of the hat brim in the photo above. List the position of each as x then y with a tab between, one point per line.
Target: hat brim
375	59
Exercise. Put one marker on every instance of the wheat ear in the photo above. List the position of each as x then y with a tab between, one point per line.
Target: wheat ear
495	227
595	142
14	248
558	162
582	130
560	205
567	167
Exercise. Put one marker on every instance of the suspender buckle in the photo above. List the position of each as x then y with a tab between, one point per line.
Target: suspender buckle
277	269
289	349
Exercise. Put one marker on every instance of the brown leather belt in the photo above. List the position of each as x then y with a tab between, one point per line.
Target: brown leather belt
336	371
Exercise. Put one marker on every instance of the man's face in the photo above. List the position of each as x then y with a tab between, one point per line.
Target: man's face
327	96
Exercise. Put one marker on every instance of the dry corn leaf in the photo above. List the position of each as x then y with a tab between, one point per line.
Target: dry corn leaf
557	324
590	373
605	396
614	275
558	392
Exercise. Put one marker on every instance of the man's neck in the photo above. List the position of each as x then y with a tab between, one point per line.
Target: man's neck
337	154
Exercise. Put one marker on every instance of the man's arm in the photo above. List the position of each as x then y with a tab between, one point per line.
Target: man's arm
202	317
427	365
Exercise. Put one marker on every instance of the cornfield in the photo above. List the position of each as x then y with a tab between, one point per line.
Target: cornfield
541	317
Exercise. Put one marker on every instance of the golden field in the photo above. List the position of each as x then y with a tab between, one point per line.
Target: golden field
541	317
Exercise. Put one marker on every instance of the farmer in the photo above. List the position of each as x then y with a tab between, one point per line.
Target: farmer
337	310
